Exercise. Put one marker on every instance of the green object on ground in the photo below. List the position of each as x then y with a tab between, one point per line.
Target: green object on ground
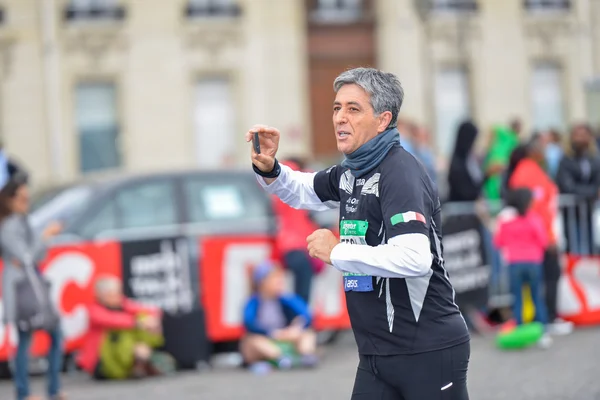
116	351
287	350
521	337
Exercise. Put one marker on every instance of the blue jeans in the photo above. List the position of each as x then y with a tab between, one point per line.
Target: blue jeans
21	371
531	274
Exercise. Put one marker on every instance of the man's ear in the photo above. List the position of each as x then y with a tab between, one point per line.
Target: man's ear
384	120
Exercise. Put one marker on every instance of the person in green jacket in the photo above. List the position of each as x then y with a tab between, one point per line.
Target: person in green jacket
505	140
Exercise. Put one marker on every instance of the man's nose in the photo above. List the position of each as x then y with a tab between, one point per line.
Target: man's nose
340	117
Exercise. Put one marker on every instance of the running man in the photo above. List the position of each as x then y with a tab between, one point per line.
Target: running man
412	340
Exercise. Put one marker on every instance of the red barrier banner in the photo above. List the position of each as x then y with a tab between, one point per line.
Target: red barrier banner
71	271
225	268
579	290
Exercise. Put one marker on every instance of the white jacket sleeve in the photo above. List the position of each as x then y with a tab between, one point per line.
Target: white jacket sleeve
404	256
296	189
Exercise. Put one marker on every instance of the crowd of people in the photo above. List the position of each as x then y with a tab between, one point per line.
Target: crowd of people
529	174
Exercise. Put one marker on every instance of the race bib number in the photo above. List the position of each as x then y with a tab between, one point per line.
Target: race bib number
354	232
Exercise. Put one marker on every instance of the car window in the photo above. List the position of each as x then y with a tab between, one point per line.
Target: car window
104	220
60	206
139	205
214	200
147	204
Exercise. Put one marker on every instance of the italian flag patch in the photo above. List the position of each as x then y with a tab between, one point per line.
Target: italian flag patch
407	217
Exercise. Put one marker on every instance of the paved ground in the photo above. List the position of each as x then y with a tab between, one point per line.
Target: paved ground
570	370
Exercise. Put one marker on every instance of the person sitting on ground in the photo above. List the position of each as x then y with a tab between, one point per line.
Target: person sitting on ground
121	337
277	324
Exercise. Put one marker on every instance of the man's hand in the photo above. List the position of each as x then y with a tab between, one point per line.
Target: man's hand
495	169
269	143
320	244
150	323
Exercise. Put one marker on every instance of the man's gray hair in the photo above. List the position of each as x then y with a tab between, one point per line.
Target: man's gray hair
107	284
384	89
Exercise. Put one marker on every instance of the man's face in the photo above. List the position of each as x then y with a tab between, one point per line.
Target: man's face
112	297
580	139
354	120
516	127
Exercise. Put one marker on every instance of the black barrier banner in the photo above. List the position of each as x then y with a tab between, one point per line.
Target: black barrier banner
158	272
466	259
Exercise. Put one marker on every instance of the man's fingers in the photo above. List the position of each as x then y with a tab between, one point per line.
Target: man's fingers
263	130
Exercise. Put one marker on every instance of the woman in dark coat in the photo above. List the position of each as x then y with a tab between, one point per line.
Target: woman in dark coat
465	177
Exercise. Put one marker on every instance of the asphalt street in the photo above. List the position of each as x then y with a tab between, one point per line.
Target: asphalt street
569	370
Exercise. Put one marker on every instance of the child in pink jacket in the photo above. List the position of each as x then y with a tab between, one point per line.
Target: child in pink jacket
521	238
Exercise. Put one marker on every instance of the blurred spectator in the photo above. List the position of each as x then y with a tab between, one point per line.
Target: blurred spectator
8	167
423	151
405	128
465	178
523	239
294	226
579	175
503	142
554	151
121	337
4	165
525	171
22	251
579	170
516	126
277	324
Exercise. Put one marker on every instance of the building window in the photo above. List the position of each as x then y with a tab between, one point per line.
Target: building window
453	5
97	126
452	105
94	10
213	8
214	123
546	97
337	11
547	5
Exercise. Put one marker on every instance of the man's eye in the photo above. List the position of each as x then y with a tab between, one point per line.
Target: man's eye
337	108
353	109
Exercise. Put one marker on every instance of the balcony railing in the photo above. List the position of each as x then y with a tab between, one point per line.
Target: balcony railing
453	5
547	5
337	11
95	12
212	9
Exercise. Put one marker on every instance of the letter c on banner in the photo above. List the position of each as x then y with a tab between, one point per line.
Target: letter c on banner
66	268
